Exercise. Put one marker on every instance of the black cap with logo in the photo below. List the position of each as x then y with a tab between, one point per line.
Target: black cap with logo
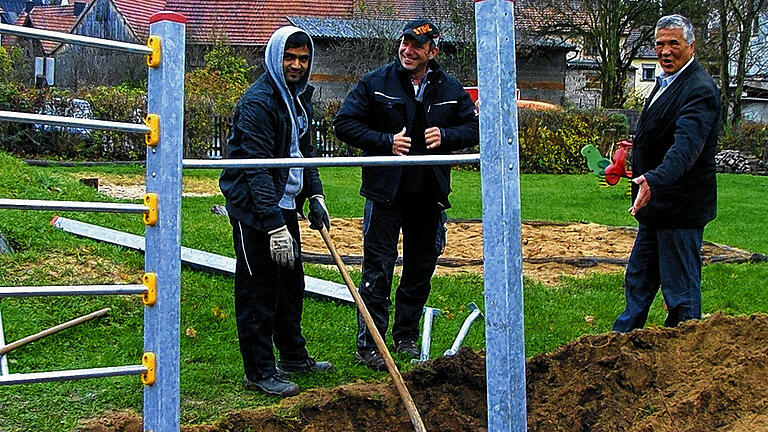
422	30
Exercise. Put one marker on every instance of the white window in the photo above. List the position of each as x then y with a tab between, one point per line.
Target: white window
649	72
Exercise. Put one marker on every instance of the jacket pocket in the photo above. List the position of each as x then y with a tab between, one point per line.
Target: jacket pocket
443	113
388	112
386	100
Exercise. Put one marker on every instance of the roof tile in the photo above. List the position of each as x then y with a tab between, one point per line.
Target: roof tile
53	18
250	22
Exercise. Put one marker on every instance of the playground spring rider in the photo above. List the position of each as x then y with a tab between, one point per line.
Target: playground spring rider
611	171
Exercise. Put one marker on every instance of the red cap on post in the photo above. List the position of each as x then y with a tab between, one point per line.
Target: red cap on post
168	16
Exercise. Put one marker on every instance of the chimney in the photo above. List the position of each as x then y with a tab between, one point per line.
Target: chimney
79	7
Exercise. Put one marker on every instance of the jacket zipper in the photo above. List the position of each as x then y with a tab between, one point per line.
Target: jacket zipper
442	103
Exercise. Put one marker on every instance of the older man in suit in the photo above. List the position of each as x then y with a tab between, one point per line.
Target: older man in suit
675	194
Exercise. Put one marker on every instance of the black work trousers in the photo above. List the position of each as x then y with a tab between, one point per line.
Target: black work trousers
268	300
419	217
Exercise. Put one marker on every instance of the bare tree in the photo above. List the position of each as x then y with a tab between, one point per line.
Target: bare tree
599	26
370	38
602	28
738	54
456	20
367	40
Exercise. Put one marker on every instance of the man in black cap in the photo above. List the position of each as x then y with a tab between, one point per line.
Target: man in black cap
408	107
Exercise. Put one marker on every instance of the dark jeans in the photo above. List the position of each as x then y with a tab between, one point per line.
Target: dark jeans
670	258
268	301
419	218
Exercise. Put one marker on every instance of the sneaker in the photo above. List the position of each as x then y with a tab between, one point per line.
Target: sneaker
307	365
273	385
407	347
371	358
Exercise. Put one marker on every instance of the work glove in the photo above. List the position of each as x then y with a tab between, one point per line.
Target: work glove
283	247
318	213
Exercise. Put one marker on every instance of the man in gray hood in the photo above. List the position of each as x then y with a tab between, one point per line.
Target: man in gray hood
272	120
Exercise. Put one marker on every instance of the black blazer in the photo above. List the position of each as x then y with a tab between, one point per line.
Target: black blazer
675	148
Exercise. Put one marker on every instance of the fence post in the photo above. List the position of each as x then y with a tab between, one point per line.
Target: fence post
165	97
502	249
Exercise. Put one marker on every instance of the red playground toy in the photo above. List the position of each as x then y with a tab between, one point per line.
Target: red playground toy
620	165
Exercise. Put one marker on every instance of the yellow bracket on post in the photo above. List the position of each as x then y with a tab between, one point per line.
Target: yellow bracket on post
150	216
150	281
153	60
152	137
148	378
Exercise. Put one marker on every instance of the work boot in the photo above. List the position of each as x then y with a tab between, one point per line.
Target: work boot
371	358
273	385
407	347
307	365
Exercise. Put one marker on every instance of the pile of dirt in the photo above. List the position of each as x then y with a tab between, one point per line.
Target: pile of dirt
702	376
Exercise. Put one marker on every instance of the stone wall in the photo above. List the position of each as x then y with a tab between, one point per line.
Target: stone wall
739	162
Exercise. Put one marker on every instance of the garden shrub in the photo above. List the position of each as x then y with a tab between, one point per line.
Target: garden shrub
211	94
124	104
551	141
326	141
748	137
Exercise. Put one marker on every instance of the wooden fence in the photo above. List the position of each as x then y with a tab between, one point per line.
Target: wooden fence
326	144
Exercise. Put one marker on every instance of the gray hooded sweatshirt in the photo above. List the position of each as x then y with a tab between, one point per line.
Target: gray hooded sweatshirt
299	120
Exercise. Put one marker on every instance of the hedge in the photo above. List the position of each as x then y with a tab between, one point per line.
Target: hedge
748	137
551	141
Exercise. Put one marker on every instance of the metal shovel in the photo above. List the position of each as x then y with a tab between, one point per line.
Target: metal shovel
475	312
426	334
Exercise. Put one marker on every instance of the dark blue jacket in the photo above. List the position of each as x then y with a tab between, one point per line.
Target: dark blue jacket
675	149
383	102
261	130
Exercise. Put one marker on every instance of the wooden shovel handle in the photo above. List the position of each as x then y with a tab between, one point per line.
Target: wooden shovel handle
410	407
21	342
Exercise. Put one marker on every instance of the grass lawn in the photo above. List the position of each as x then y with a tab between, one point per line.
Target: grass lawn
211	366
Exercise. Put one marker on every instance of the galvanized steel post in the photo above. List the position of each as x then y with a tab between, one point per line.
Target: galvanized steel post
505	347
165	97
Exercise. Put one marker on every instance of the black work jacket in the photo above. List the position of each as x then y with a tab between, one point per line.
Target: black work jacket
383	102
261	129
675	149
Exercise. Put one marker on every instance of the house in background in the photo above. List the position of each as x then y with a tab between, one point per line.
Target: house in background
755	97
540	64
247	25
645	69
59	18
10	10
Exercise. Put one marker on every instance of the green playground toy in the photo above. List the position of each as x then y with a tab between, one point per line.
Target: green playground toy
595	161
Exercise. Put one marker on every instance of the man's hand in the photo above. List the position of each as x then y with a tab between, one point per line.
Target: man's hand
401	144
643	195
283	248
318	213
433	138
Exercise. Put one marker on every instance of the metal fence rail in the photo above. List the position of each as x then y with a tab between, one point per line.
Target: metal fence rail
334	162
74	39
83	206
72	122
71	290
74	374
